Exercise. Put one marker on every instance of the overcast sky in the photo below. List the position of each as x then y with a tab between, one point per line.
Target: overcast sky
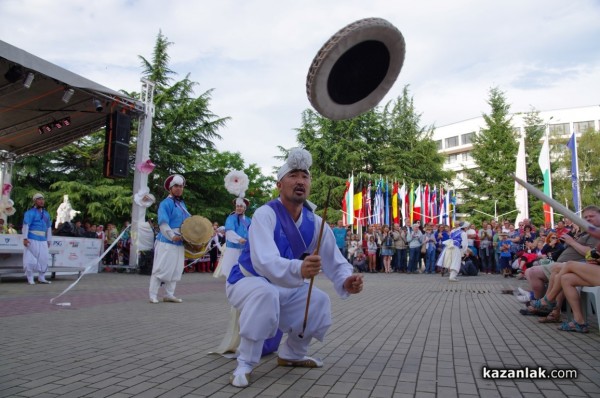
255	55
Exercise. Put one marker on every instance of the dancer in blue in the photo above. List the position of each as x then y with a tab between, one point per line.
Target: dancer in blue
37	237
269	284
169	252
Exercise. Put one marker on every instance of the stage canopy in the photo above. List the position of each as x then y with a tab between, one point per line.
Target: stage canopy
44	107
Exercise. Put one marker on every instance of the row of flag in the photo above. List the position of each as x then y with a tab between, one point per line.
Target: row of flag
368	202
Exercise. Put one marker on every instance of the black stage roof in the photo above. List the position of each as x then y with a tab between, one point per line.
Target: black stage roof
26	111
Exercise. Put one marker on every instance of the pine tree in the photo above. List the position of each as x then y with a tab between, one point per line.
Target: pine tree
494	153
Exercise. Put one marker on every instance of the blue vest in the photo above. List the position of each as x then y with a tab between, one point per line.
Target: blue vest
173	213
240	226
306	230
456	236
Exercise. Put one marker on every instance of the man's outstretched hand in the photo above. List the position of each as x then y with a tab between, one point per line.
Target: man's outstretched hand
353	284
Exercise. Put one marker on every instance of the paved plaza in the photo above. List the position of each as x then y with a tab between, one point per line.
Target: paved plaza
404	336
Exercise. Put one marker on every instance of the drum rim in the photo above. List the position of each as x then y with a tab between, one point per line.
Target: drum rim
376	29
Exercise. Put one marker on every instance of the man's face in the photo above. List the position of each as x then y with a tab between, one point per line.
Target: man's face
592	217
340	224
294	187
240	209
39	202
177	190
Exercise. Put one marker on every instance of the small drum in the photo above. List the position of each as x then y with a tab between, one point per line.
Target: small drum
196	232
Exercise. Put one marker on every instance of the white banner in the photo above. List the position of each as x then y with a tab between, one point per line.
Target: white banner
67	251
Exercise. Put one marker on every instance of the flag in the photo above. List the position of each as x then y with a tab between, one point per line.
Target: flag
402	198
417	205
357	202
544	162
434	206
350	202
426	212
368	207
387	202
411	202
378	204
395	203
444	207
521	202
572	145
452	206
345	205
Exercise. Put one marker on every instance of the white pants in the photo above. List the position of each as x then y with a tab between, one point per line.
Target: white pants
265	307
167	268
35	259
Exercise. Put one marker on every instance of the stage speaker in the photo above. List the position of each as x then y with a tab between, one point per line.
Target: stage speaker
116	145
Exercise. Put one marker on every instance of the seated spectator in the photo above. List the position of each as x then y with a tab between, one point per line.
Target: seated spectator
544	274
360	261
553	247
469	266
572	276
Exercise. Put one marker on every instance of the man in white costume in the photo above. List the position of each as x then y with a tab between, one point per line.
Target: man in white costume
455	249
37	237
269	284
169	252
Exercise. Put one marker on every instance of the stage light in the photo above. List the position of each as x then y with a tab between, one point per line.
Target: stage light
47	128
67	95
40	130
58	124
66	122
28	80
97	105
14	74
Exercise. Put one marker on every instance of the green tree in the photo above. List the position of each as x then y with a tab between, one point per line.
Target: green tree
588	146
494	153
389	142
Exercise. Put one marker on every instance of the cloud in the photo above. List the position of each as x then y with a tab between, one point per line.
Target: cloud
256	54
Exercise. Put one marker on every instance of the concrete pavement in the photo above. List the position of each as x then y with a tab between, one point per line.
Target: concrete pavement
404	336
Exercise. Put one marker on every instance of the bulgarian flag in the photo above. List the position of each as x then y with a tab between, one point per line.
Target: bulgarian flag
544	162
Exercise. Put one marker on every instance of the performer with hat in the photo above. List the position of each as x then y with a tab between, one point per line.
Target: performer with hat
237	223
37	237
268	284
169	253
454	250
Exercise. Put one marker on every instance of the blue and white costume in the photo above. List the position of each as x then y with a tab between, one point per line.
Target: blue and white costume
454	249
37	229
267	285
169	255
236	228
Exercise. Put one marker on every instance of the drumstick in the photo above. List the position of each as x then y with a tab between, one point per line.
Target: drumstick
312	278
557	206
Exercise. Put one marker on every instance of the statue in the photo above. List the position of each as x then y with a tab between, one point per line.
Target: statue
65	212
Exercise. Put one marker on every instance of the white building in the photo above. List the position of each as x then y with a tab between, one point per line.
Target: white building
455	140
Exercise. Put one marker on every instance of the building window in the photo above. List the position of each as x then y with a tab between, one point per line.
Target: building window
466	156
582	127
452	141
452	158
561	129
438	143
467	138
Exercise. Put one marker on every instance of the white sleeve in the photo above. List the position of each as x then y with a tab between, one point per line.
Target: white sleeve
166	231
232	236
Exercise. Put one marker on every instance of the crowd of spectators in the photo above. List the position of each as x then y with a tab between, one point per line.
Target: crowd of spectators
494	247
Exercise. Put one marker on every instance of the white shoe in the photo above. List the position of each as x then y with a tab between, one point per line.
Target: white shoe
523	292
153	301
172	300
240	381
453	279
522	298
31	283
306	362
44	282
